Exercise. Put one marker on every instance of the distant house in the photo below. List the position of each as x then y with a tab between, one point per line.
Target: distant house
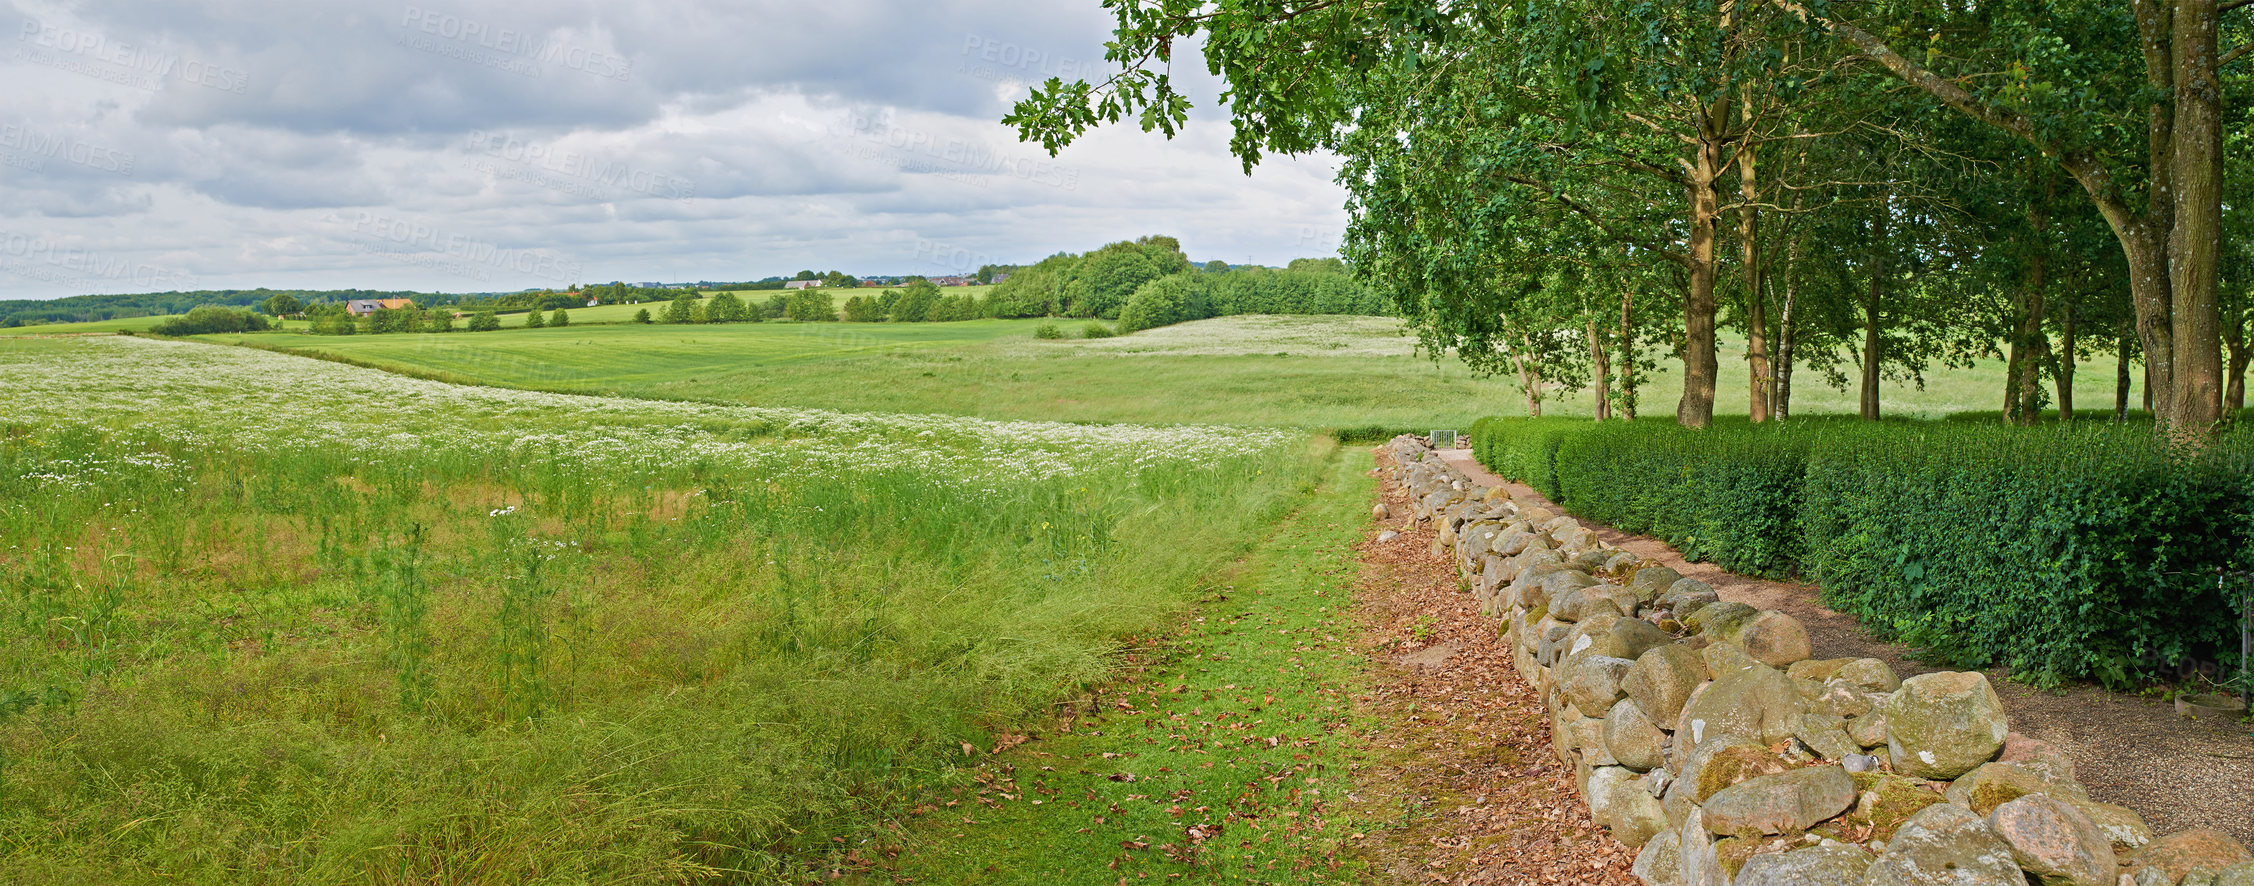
950	281
998	278
361	307
803	284
593	301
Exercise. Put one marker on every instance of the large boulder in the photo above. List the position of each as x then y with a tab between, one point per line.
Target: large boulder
1889	801
1632	738
1824	736
1828	865
1869	675
1659	863
1652	580
2046	759
1782	803
1772	638
1946	845
1682	794
1630	638
1687	596
1731	766
2177	854
1723	657
2241	874
1592	681
1662	680
1632	814
2055	842
1574	602
1716	619
1943	725
1994	784
1759	702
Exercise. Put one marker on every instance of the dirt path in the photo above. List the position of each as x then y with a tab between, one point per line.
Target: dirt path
2179	773
1461	771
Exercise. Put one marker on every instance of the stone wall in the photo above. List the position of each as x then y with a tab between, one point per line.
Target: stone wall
1703	733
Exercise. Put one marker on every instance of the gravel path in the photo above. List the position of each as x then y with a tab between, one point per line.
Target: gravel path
1461	768
2179	773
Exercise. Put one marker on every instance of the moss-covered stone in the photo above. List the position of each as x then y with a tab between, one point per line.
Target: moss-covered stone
1888	801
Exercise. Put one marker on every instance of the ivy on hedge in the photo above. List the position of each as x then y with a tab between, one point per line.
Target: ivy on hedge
2074	552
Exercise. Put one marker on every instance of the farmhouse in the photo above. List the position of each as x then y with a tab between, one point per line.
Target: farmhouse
803	284
361	307
950	281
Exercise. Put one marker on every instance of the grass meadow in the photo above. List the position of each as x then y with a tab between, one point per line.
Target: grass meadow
278	620
1310	372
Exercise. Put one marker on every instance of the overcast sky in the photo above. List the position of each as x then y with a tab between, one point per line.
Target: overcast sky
491	145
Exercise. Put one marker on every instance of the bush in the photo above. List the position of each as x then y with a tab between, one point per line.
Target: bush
1096	330
484	321
2075	552
560	318
535	320
810	305
682	309
642	316
726	308
1048	331
1199	295
211	319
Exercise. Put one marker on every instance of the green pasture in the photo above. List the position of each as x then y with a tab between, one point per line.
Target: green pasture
1315	372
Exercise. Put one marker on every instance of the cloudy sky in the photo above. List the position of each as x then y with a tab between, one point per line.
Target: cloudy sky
491	145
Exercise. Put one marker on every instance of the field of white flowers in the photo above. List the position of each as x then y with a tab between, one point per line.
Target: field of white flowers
273	619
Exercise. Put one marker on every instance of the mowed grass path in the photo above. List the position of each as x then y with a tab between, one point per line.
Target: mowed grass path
1221	763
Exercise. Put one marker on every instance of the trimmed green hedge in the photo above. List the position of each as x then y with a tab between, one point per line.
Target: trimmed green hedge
2083	552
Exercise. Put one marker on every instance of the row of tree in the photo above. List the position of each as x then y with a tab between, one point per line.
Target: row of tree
1567	190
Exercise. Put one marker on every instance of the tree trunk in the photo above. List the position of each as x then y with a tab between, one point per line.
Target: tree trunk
2031	390
2194	242
1781	404
2024	368
2066	367
1700	364
1599	368
1627	354
1530	382
1870	316
2234	390
2121	378
1756	313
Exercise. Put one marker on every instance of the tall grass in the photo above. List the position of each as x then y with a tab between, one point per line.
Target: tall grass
446	663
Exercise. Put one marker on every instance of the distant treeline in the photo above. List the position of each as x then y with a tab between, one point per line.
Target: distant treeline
91	308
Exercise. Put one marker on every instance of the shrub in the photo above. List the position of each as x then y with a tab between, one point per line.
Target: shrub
210	319
862	309
1048	331
726	308
642	316
535	320
1096	330
484	321
560	318
439	320
2064	552
682	309
1199	295
810	305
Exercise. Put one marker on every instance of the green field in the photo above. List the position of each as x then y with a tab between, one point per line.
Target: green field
1315	372
266	619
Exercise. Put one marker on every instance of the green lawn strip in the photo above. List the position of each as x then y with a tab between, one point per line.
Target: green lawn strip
1223	762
